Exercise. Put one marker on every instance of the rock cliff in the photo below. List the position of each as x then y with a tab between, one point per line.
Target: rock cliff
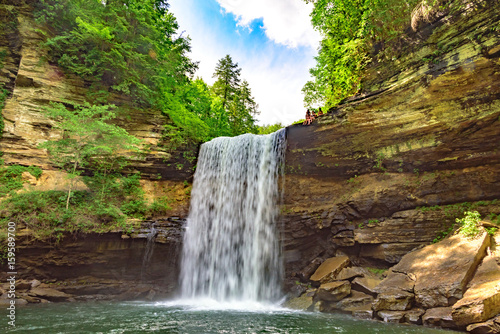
386	172
391	169
33	83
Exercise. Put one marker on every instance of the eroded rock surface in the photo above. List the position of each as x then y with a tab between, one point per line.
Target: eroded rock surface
378	176
481	301
442	271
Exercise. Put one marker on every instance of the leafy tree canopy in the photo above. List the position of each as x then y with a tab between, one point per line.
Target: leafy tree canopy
350	28
132	47
235	97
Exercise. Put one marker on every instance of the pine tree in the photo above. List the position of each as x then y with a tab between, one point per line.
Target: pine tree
228	80
235	96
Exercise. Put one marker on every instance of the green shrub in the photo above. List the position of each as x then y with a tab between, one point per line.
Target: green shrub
469	224
160	206
135	208
11	177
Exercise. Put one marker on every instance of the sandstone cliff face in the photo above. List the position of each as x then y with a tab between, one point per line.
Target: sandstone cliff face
33	83
425	132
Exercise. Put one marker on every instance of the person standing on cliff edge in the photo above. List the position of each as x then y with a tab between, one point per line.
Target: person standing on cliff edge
308	120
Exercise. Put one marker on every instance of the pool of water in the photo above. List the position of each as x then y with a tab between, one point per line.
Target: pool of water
186	318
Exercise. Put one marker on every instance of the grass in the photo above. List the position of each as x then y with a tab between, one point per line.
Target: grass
44	214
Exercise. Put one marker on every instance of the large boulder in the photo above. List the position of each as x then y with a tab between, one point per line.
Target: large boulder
302	303
365	284
334	291
394	300
439	317
491	326
355	302
482	300
329	269
442	271
392	316
352	272
395	293
50	294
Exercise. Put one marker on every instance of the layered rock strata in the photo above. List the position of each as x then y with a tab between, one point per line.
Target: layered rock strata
141	265
390	170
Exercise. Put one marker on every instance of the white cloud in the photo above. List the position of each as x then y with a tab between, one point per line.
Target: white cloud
286	22
276	74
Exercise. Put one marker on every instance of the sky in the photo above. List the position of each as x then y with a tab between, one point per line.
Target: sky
272	41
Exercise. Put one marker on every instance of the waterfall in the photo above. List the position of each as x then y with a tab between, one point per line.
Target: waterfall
148	252
231	245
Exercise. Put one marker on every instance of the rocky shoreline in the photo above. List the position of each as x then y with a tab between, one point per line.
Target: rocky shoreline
452	284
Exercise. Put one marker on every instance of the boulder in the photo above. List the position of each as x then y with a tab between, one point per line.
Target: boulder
352	272
482	300
395	293
442	270
306	273
329	269
392	316
491	326
333	291
366	285
363	312
21	301
35	283
50	294
393	300
354	302
439	317
32	300
23	285
296	291
414	316
303	303
395	280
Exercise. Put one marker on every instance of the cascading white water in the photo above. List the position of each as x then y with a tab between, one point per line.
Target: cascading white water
231	245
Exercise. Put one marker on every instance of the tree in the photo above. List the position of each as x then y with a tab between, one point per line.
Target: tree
228	80
235	97
242	110
350	28
87	141
267	129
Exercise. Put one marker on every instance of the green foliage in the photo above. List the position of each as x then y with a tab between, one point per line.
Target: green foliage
11	177
457	210
300	121
267	129
160	206
132	47
379	162
469	224
378	271
88	141
491	230
350	29
45	213
234	97
126	46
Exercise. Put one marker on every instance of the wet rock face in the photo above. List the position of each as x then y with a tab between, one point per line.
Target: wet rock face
422	134
109	266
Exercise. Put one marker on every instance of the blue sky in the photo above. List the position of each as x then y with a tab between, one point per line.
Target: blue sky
271	40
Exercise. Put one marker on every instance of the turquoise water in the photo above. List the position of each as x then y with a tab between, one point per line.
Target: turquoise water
139	317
